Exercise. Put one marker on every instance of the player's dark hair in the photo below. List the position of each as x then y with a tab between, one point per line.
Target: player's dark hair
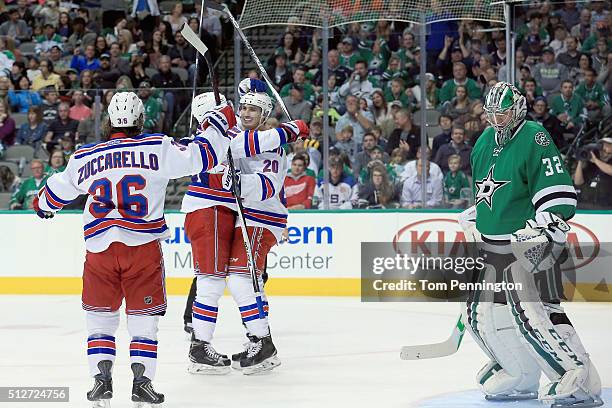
107	129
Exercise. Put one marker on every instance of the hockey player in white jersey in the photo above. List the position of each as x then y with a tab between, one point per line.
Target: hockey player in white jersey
217	248
125	178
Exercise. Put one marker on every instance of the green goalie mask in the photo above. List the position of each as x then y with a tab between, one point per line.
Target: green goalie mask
505	108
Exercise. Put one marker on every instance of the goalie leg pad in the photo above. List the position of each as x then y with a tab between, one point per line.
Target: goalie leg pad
512	374
556	348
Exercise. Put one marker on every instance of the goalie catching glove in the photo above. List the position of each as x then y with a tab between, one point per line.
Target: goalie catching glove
540	245
295	130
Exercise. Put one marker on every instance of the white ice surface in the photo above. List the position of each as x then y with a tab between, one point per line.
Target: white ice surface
335	352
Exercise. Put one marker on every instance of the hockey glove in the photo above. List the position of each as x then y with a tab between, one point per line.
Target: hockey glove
222	118
251	85
258	85
540	245
228	179
39	212
554	227
296	129
467	220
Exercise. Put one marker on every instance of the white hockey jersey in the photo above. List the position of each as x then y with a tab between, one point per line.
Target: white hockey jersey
261	183
125	179
340	196
262	178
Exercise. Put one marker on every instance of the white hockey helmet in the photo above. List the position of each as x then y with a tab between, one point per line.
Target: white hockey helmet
504	98
261	100
203	103
125	110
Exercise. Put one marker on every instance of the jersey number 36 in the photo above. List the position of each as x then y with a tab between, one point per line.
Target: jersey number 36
129	205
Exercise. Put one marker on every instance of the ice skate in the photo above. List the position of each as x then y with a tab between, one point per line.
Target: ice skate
143	394
260	356
239	356
580	388
206	360
102	391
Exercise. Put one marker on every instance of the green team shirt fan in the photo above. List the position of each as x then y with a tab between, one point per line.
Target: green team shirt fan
517	172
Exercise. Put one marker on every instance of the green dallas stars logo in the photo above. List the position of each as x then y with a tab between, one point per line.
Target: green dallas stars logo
487	187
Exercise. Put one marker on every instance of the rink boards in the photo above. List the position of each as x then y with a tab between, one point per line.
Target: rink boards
321	257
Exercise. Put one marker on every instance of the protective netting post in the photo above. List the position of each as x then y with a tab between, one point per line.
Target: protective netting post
237	69
97	115
423	112
325	68
508	16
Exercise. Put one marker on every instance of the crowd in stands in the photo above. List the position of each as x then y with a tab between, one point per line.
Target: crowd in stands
563	67
56	59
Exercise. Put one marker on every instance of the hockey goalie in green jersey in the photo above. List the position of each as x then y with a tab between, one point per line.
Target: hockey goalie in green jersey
523	196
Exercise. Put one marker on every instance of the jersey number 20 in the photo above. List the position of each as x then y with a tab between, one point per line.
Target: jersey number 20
129	205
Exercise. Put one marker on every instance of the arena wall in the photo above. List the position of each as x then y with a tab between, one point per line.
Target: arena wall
321	257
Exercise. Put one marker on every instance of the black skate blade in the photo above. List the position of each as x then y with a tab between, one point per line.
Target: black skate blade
263	367
205	369
572	403
512	397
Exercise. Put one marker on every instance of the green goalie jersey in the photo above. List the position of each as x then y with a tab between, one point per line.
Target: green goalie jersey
513	182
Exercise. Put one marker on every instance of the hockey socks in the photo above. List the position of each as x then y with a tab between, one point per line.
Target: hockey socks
241	288
101	328
205	307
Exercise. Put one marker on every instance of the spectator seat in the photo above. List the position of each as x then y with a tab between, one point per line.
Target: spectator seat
15	153
431	116
19	118
550	97
150	72
42	154
433	131
13	167
182	73
5	199
27	48
165	7
88	39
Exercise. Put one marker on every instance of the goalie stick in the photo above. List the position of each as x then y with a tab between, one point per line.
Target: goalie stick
223	8
195	41
435	350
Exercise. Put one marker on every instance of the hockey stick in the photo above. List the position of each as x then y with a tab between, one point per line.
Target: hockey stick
445	348
223	8
194	40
